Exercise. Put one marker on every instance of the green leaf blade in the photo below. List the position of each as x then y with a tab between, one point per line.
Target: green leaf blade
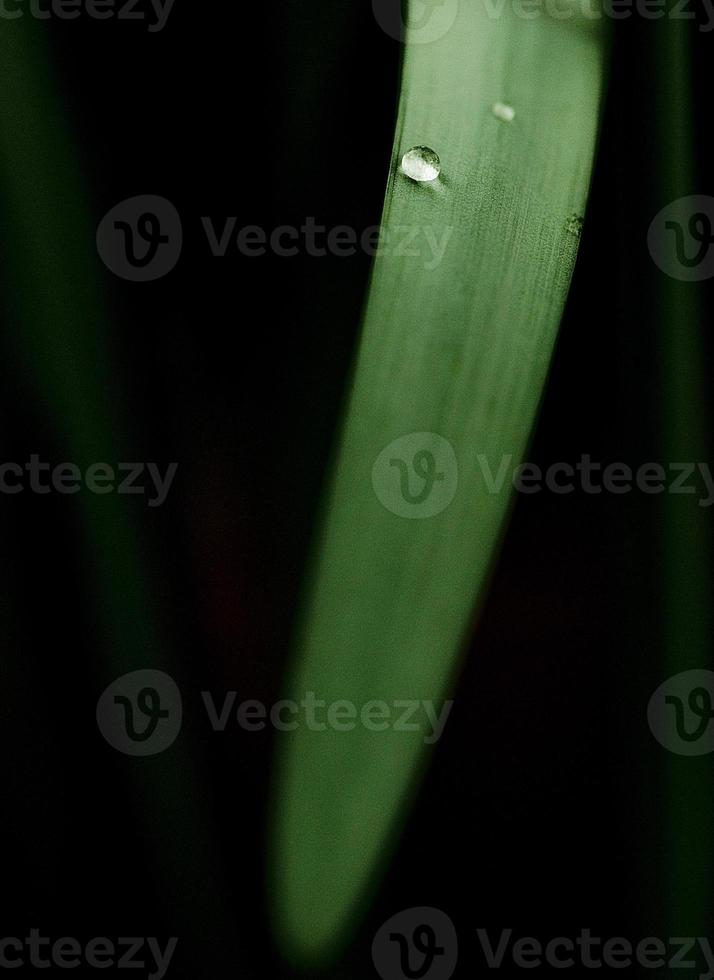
462	350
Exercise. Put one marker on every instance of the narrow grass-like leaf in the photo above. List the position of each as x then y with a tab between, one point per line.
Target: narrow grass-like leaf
685	529
58	336
459	348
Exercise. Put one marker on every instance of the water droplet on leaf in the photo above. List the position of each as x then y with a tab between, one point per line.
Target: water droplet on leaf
421	163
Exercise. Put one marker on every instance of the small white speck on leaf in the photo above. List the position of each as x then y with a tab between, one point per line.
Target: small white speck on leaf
503	111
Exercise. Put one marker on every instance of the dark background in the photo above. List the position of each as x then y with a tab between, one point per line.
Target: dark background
536	814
